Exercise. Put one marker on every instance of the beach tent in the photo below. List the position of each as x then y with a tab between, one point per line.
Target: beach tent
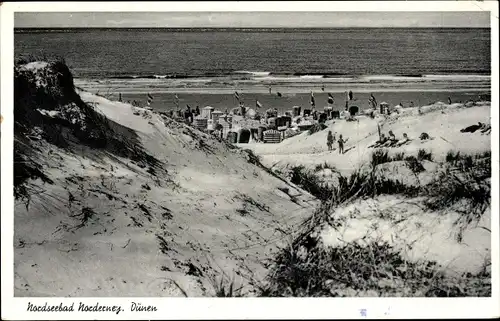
206	112
215	116
272	136
243	136
322	117
200	123
384	107
232	137
260	132
254	131
296	111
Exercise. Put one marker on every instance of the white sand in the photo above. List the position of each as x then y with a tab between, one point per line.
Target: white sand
419	234
117	252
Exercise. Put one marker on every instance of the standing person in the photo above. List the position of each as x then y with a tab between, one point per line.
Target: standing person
270	90
351	95
341	142
329	140
187	114
449	101
197	111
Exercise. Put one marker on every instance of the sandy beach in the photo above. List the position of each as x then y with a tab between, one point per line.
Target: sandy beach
393	90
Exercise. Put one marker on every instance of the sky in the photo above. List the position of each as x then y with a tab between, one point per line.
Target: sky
251	19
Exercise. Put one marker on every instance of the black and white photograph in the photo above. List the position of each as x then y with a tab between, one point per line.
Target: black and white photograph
251	154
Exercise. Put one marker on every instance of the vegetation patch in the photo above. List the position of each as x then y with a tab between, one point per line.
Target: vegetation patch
373	269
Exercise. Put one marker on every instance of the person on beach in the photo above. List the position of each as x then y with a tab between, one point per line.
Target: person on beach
329	140
449	101
411	104
270	90
351	95
120	97
197	111
379	142
392	141
188	114
341	143
404	141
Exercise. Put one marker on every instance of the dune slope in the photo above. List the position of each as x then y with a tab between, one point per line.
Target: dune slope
114	200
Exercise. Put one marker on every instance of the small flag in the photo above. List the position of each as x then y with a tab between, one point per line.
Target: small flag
236	95
150	99
330	98
373	101
313	103
258	104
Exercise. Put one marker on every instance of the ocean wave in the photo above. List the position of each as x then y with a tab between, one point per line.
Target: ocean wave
269	77
253	73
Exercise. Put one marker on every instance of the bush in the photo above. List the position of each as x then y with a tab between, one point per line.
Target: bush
399	156
307	268
308	181
325	165
424	155
466	187
301	271
452	156
380	156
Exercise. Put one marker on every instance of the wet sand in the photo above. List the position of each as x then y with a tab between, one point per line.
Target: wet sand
222	102
219	93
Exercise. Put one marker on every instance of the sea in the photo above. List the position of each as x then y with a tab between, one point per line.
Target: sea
276	67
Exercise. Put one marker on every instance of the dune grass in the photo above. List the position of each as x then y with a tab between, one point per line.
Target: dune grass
306	268
373	269
76	124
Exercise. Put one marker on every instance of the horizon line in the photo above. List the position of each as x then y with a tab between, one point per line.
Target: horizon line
338	27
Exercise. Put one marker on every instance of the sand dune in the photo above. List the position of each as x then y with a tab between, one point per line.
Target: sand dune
112	226
120	201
